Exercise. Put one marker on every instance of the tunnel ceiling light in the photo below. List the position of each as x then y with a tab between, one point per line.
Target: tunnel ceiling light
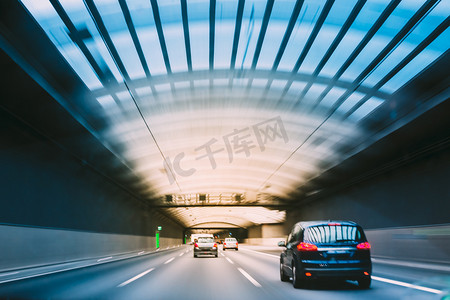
253	100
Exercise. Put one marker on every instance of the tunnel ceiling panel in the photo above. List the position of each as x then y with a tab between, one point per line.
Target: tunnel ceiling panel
226	217
240	101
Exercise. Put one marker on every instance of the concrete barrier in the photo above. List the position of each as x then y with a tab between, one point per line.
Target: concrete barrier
416	243
25	247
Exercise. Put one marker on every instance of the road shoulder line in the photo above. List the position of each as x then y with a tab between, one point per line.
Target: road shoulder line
408	285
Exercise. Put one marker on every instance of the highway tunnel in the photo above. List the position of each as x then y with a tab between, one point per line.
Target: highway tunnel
127	125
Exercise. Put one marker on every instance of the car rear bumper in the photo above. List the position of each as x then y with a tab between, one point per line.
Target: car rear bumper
346	270
205	251
347	273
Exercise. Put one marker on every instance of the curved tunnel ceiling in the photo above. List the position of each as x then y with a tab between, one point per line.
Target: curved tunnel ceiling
238	102
197	217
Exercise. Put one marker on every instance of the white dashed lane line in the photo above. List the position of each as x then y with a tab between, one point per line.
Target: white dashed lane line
135	278
169	260
181	254
250	278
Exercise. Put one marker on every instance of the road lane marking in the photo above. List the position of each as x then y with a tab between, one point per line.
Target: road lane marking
142	252
37	275
106	258
181	254
229	260
250	278
262	253
169	260
222	254
56	271
135	278
408	285
6	274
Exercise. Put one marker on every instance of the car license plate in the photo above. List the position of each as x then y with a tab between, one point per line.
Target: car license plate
337	252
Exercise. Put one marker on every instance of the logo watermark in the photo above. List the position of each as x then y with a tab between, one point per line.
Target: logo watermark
238	141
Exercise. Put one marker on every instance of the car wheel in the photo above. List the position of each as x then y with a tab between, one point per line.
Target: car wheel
364	282
283	276
224	249
296	281
236	249
217	255
195	255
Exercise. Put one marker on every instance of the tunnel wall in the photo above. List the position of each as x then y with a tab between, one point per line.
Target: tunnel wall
25	247
413	243
55	207
267	234
44	187
416	194
392	206
255	232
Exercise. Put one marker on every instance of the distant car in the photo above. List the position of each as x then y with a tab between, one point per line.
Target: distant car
205	246
326	249
230	243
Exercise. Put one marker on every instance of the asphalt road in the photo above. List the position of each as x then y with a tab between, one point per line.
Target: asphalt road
250	273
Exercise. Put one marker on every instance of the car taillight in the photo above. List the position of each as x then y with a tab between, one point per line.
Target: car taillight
236	244
363	246
224	244
334	224
215	246
196	245
306	247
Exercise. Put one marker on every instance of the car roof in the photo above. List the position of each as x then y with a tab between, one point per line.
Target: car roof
305	224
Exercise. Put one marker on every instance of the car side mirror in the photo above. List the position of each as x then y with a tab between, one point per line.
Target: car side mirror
282	244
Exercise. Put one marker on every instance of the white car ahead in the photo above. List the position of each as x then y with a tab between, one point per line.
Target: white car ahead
205	246
230	243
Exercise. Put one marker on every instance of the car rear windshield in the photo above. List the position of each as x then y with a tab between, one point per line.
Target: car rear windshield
324	234
230	240
205	240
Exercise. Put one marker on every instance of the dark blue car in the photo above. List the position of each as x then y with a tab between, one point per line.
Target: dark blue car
326	249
